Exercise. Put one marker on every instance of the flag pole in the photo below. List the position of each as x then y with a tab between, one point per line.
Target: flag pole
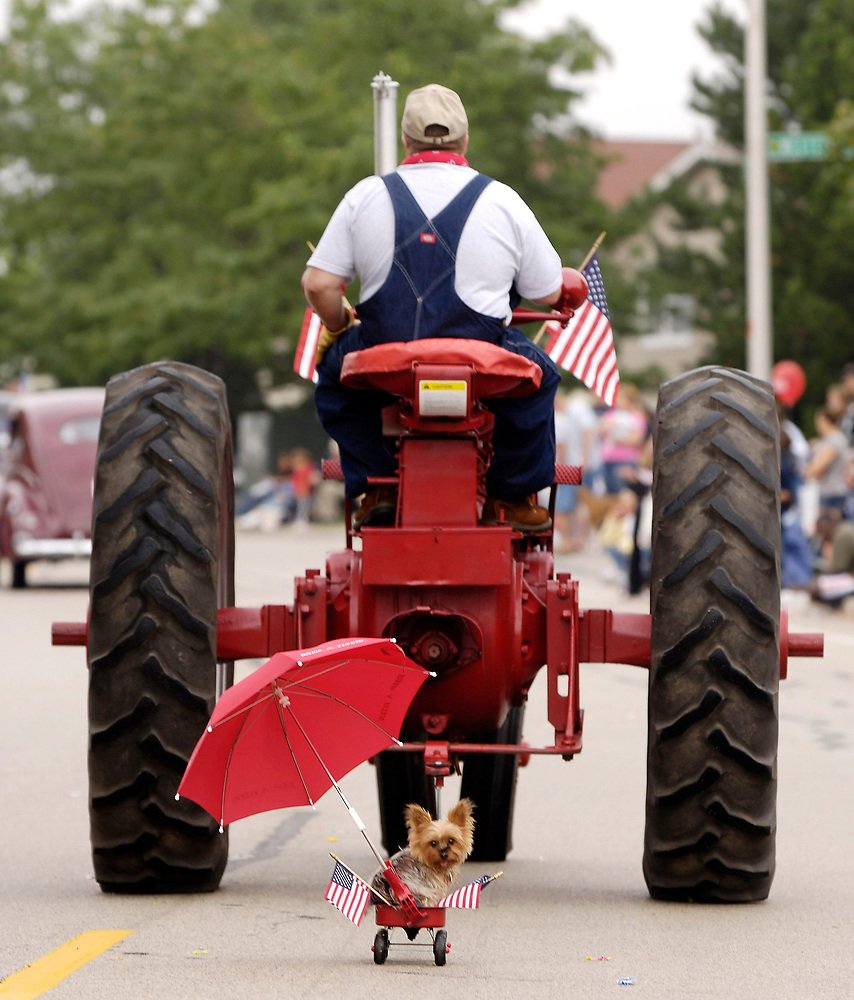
591	253
540	333
376	892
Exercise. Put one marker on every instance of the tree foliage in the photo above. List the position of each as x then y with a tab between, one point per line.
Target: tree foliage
163	165
810	46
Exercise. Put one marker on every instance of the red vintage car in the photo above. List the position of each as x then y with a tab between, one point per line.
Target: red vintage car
47	465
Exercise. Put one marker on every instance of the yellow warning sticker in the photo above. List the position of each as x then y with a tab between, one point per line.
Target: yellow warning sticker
442	386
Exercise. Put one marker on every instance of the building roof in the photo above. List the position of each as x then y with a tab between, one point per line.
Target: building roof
636	166
633	167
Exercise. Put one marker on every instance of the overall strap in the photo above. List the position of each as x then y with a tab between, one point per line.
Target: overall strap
412	224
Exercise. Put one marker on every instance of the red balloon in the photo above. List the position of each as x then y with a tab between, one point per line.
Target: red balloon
789	382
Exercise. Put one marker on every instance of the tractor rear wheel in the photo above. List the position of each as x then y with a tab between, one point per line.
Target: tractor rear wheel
401	780
162	563
489	780
715	652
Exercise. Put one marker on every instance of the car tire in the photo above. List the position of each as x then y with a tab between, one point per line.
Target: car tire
715	642
162	563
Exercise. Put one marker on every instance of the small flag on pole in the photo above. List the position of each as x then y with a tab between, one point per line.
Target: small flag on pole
304	362
585	346
348	893
467	897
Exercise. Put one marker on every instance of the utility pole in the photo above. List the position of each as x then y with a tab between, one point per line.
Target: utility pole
758	257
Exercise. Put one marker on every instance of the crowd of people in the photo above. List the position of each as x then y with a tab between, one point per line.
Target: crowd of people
611	508
817	497
293	493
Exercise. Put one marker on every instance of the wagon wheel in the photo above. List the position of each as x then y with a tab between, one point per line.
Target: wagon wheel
440	947
489	780
162	563
401	780
381	946
715	666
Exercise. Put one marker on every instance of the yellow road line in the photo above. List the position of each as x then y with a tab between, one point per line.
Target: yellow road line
43	974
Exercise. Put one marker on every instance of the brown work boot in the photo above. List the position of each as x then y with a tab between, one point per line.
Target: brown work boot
377	509
523	515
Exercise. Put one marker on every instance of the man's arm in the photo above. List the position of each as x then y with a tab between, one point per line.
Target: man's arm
550	300
324	292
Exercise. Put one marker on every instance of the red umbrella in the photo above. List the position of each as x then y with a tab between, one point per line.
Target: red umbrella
283	735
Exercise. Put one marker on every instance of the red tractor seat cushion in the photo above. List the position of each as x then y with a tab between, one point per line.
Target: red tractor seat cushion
389	366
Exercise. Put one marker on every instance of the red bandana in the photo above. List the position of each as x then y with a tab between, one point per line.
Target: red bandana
435	156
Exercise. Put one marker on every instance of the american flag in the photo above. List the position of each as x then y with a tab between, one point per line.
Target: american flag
585	346
467	897
307	345
348	893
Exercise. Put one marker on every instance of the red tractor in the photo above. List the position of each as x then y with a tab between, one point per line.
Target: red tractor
480	606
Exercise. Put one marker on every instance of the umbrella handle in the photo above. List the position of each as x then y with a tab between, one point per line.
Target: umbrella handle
401	892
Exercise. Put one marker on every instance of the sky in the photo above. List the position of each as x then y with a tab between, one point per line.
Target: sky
654	45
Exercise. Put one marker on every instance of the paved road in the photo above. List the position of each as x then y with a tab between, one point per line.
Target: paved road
573	890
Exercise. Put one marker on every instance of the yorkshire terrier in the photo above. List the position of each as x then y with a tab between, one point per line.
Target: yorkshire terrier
430	864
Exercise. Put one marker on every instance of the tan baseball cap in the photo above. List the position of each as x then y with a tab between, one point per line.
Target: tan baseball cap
434	105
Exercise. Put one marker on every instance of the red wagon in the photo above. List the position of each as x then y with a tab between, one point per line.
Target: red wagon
430	918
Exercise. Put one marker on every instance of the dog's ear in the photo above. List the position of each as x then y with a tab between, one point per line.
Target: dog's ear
463	814
416	817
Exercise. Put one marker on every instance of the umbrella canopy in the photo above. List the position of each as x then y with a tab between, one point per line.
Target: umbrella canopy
283	735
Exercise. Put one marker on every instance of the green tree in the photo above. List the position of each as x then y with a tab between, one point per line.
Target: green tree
163	169
810	73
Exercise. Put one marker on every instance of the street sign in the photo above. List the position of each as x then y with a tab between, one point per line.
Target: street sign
790	147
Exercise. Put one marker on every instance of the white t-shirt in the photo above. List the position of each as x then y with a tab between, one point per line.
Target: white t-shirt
502	242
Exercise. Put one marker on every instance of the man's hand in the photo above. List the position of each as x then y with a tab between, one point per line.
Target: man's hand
328	337
325	294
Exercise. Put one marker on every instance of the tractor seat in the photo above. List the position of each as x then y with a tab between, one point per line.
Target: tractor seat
389	367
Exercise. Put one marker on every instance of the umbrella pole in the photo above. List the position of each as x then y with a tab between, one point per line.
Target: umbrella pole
360	826
357	819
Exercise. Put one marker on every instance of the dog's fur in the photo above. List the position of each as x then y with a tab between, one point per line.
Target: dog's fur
430	864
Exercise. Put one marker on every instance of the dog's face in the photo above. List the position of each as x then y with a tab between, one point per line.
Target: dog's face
441	844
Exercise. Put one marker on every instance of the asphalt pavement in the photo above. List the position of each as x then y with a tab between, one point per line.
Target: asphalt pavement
570	918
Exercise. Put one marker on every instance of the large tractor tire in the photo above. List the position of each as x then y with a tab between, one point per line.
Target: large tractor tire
400	781
715	656
489	780
162	563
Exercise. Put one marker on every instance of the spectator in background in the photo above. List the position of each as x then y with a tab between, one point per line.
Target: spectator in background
848	508
268	503
829	460
795	554
304	478
835	559
847	421
575	440
622	432
835	400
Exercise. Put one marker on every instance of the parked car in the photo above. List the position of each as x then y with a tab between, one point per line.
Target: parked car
47	466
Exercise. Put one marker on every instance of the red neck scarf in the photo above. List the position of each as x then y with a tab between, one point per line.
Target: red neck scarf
435	156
